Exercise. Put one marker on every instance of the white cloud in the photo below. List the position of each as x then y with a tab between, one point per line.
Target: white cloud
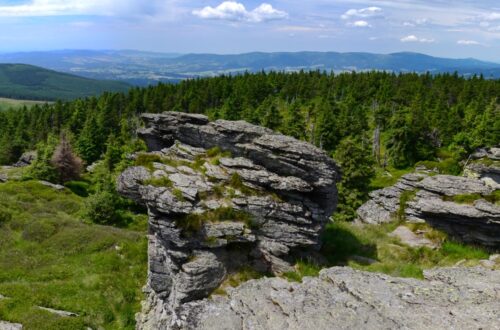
362	24
364	12
299	28
37	8
493	16
235	11
468	42
414	38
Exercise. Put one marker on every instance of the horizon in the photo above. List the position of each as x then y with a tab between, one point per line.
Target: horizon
178	54
447	29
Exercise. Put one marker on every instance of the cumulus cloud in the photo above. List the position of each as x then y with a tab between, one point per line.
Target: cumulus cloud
361	24
414	38
363	13
468	42
235	11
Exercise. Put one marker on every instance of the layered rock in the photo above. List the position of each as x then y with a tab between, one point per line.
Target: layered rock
221	196
435	200
342	298
485	165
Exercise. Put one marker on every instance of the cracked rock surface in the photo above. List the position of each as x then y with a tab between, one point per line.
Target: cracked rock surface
343	298
222	196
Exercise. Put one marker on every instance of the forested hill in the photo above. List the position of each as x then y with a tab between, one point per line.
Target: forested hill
416	114
368	122
144	67
28	82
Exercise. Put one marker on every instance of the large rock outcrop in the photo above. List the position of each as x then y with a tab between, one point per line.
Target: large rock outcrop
223	196
454	204
342	298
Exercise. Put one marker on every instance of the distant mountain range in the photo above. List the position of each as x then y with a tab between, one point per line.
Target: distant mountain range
27	82
141	68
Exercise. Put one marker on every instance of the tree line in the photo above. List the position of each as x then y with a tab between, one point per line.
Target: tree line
391	119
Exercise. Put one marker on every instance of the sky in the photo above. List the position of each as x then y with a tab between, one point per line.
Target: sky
457	29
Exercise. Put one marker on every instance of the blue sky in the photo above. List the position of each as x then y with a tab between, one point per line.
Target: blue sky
462	28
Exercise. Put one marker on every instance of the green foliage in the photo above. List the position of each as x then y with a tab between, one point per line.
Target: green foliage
448	163
5	216
237	183
94	271
471	198
80	188
357	166
303	268
370	248
34	83
101	208
192	223
406	196
417	114
163	181
42	168
147	160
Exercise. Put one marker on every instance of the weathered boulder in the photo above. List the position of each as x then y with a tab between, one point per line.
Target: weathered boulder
433	201
26	159
10	326
485	165
343	298
384	203
415	240
221	196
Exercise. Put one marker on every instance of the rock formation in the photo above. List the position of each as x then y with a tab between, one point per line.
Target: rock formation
26	159
436	200
342	298
485	165
223	196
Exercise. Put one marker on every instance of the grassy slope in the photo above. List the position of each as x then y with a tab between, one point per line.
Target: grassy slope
49	258
33	83
6	103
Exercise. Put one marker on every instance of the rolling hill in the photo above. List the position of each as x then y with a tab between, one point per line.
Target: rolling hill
27	82
140	68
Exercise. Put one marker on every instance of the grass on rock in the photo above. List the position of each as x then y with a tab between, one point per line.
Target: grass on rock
345	243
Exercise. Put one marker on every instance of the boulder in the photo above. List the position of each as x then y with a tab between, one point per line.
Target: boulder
26	159
343	298
223	196
433	202
408	237
10	326
485	165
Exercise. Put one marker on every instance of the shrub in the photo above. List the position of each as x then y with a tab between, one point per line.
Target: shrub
80	188
5	216
101	208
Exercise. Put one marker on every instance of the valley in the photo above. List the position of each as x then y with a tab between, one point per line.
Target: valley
144	68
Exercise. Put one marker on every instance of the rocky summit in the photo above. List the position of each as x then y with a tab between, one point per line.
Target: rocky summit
223	196
343	298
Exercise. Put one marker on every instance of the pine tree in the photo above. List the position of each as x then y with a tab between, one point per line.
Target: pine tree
66	163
